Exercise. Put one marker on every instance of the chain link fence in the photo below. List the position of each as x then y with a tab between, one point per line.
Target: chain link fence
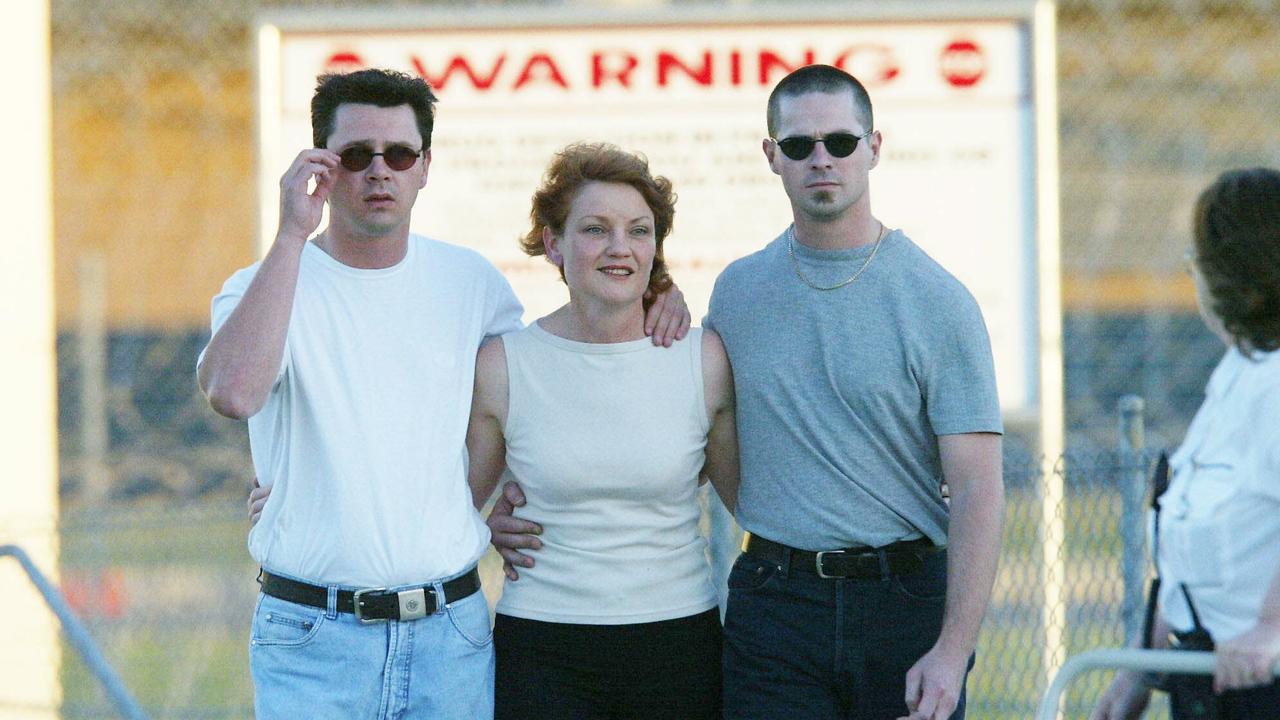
1155	99
168	591
154	204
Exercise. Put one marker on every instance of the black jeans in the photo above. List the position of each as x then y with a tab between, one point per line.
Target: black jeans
1260	703
564	671
798	646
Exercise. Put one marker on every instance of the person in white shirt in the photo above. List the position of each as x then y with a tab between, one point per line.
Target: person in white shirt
351	355
608	437
1218	536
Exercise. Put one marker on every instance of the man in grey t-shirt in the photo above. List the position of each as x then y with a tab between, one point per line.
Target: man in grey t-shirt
864	381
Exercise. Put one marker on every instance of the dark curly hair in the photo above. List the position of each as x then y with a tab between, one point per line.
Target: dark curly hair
582	163
1237	235
384	88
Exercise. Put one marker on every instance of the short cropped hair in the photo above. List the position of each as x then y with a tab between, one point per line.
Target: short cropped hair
582	163
819	78
384	88
1237	236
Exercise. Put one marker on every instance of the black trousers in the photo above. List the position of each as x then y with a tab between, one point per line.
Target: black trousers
1196	701
555	671
803	647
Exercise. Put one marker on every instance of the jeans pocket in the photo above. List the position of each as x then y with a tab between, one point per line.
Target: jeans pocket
470	617
920	588
280	623
750	573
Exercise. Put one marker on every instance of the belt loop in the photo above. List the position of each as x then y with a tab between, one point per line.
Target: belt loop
441	600
883	557
785	568
331	612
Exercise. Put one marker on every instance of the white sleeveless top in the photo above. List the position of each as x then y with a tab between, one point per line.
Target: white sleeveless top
607	441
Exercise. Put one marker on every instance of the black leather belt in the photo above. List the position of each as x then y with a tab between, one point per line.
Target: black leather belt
374	604
867	563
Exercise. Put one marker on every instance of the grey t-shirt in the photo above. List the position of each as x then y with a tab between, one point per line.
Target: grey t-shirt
842	393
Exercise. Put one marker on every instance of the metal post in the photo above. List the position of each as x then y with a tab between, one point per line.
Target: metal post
1166	661
1132	476
1053	535
91	346
79	637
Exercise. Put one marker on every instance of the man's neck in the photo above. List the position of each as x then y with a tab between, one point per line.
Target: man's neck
851	231
362	251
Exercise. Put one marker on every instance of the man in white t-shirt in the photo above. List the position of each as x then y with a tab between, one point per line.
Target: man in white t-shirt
351	355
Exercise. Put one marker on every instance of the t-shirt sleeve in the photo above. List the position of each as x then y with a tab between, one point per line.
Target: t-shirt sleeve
715	306
225	303
504	313
960	378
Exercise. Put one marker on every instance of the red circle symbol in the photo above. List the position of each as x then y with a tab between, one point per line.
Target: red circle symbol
962	63
344	62
871	63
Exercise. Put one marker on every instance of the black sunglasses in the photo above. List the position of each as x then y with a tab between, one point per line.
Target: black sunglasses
838	144
398	157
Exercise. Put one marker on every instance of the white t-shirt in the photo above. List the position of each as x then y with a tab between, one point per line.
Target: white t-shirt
607	441
1220	517
363	438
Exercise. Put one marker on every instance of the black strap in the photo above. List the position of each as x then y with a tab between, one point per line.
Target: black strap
1159	480
905	557
1159	484
1195	616
374	605
1149	619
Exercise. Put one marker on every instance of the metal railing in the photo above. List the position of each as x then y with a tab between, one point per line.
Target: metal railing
78	637
1164	661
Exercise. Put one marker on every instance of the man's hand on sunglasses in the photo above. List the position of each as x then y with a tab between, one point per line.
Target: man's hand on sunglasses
300	210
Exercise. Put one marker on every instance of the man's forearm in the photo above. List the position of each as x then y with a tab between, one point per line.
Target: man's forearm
973	551
1269	613
243	358
1159	633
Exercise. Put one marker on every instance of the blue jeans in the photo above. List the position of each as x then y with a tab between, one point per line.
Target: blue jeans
314	663
800	646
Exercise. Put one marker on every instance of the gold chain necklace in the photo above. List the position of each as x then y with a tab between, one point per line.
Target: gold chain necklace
791	238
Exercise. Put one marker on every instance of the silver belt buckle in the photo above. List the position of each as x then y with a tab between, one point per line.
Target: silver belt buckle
413	603
817	561
355	602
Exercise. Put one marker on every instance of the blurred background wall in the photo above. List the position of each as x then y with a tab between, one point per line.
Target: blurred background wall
154	200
